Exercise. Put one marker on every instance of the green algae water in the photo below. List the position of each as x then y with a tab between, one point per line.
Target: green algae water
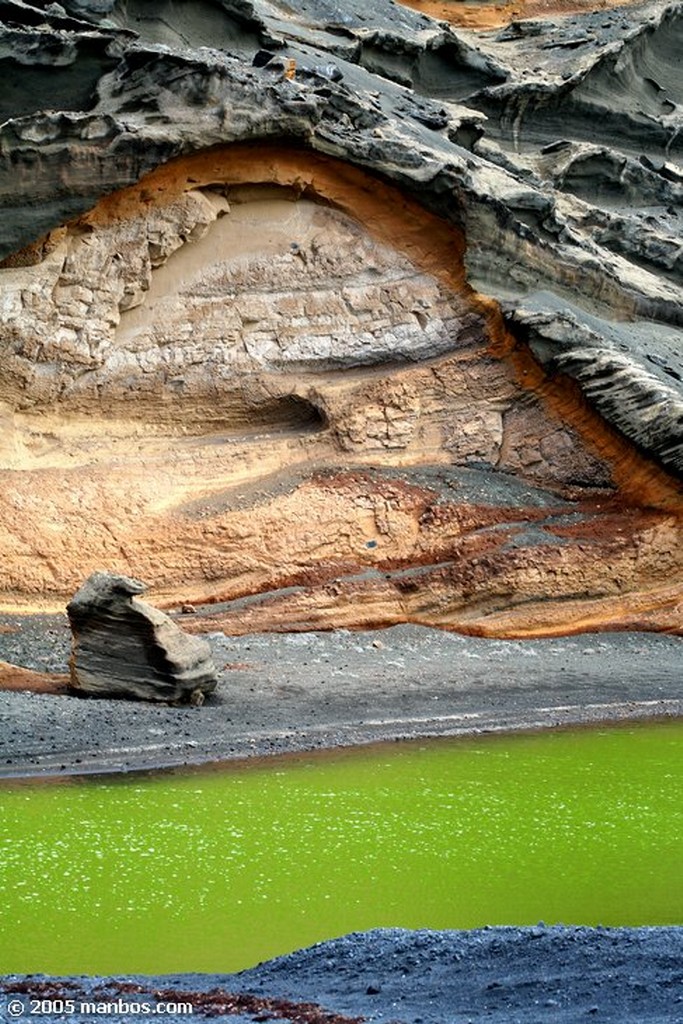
216	870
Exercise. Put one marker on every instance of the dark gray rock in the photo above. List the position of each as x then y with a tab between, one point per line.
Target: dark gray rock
632	378
92	9
123	647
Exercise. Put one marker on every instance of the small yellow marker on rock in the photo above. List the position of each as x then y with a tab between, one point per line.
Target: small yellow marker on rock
290	70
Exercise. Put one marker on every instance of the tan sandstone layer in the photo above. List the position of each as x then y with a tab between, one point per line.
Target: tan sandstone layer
259	376
28	681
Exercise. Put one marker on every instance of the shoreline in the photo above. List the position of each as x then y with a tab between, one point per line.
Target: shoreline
282	694
310	746
498	975
318	695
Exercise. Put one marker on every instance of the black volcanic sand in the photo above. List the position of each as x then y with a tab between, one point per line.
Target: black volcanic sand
296	692
534	975
305	691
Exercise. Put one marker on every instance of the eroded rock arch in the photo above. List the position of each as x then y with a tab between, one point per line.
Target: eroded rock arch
261	371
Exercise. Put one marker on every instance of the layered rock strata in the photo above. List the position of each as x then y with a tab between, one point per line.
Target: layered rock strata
412	355
123	647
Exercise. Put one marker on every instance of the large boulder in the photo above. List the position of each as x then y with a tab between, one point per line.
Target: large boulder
123	647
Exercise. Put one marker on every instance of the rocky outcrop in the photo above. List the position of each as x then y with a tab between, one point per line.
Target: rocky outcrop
278	254
644	399
123	647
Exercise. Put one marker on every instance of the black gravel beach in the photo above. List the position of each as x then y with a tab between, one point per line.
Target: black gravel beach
537	975
306	691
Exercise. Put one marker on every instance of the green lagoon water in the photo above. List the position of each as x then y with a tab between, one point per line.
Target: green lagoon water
215	870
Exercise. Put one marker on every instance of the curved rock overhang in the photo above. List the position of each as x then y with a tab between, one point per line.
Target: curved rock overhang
432	471
527	231
197	471
437	246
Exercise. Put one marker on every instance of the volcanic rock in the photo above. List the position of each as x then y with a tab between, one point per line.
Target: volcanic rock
337	316
123	647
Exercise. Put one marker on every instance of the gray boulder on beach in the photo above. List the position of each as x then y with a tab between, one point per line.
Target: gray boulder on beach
123	647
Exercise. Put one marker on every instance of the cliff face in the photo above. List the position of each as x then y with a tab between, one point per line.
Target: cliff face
324	318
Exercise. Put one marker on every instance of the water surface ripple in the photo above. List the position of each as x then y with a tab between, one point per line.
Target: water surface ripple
215	870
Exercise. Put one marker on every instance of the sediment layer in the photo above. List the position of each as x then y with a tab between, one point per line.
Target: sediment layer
412	356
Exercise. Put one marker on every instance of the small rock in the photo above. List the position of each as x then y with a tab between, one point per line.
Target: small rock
329	71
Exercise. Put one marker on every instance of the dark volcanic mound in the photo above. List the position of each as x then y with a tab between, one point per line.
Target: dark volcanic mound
534	975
